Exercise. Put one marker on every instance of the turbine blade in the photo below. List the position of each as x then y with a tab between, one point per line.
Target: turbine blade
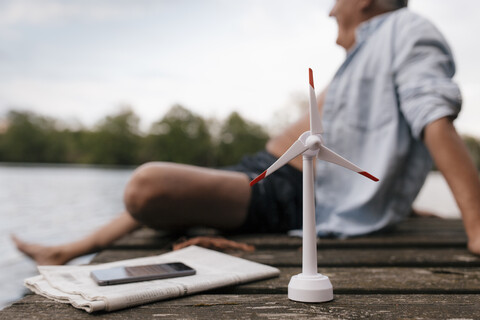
330	156
295	150
315	117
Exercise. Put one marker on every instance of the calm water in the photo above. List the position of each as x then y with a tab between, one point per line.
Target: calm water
52	205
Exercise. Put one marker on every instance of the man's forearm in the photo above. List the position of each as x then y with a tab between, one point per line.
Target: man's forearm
454	162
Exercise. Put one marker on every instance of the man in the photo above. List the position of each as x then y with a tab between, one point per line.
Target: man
390	104
388	109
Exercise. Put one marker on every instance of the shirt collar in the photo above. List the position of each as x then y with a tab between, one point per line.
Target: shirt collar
368	27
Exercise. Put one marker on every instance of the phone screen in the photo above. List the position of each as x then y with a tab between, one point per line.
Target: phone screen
141	273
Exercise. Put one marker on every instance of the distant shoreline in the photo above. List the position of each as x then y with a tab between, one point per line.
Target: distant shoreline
66	165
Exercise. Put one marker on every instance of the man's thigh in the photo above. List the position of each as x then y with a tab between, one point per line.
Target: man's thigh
183	196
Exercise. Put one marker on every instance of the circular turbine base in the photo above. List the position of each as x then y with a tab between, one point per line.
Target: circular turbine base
316	288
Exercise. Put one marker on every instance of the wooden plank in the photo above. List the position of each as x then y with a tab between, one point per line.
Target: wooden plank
393	257
377	280
417	232
280	241
392	240
266	307
430	257
429	224
146	238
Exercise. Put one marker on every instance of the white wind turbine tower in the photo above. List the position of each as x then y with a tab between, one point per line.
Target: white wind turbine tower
310	286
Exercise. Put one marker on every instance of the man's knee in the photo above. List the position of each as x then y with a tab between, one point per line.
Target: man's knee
146	190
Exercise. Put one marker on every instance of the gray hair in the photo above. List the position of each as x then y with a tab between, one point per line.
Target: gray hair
391	5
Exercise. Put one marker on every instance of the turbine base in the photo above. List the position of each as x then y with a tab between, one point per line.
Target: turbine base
314	288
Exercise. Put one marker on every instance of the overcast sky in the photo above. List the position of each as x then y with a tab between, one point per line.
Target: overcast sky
81	59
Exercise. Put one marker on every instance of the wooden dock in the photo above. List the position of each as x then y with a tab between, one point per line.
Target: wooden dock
419	270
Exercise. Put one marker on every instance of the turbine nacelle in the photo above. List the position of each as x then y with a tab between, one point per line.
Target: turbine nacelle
313	141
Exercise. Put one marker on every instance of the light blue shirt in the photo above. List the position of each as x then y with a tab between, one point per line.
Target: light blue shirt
395	81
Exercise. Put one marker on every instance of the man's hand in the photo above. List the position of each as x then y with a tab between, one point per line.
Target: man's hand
474	245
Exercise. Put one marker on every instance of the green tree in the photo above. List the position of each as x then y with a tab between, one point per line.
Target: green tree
180	136
31	138
77	148
239	137
114	141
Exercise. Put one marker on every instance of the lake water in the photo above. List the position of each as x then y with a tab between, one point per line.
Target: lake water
52	204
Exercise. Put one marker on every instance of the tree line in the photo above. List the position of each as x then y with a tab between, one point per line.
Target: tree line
180	136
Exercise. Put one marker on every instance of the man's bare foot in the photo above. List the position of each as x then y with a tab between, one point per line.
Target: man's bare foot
42	255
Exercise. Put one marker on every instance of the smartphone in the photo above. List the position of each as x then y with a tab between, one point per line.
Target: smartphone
120	275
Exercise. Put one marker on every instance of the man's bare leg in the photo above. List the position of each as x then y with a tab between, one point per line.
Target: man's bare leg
55	255
163	196
171	196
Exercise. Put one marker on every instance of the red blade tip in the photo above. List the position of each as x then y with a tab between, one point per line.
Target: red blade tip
369	176
310	76
260	177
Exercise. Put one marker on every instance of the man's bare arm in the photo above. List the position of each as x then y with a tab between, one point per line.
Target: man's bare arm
454	162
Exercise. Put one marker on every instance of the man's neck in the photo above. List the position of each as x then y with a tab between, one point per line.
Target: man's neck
349	42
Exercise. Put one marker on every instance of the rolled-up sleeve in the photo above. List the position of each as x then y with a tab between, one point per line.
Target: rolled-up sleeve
423	71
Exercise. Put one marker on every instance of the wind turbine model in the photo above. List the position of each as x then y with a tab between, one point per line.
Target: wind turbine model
310	286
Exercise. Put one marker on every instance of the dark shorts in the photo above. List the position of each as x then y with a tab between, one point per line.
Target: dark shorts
276	201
